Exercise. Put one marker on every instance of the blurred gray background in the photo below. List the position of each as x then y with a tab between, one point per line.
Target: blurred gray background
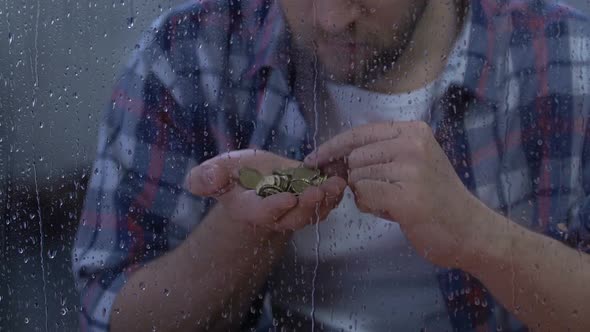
58	61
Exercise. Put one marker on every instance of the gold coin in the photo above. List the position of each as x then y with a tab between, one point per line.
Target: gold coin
268	190
305	173
293	180
283	182
318	180
249	178
284	172
297	186
269	181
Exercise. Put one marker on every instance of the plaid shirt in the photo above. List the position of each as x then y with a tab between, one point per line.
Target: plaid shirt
214	76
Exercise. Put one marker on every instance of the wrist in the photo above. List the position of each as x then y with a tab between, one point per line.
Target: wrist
217	227
489	243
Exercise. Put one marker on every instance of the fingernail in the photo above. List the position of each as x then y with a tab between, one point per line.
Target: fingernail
291	204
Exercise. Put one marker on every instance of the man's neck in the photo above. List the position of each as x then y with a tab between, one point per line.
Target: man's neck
425	57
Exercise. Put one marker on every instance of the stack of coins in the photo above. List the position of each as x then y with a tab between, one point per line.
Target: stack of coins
292	180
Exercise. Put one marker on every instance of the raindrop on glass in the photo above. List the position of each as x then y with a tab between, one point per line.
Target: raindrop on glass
51	253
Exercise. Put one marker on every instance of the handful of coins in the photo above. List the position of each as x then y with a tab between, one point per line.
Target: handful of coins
292	180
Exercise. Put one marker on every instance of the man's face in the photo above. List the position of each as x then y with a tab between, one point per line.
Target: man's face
355	40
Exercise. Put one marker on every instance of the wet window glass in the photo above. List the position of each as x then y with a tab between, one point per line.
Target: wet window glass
294	165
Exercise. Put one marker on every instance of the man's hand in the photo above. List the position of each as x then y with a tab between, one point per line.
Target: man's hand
218	177
399	172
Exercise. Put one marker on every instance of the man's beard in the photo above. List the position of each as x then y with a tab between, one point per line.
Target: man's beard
380	57
378	65
359	72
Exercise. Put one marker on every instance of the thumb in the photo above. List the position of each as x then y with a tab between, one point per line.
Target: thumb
207	180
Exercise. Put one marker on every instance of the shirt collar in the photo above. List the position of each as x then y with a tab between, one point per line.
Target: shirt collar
484	38
456	67
271	46
470	63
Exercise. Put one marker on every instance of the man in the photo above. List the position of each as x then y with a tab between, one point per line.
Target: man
454	134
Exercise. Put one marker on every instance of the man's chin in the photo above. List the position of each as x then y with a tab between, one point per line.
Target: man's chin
347	72
339	72
340	79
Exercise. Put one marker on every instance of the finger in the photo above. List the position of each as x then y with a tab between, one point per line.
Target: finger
311	208
389	173
337	168
311	197
259	211
332	198
341	145
232	159
306	211
208	180
381	152
333	186
262	160
216	176
374	197
333	189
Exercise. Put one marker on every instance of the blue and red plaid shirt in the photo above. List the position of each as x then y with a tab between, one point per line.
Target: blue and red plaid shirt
214	76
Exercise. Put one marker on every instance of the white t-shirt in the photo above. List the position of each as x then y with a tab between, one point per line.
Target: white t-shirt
367	276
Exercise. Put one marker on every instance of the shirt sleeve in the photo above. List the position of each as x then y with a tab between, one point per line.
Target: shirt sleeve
580	227
136	208
574	230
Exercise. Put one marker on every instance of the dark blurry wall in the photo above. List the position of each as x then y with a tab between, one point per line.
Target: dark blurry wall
58	61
